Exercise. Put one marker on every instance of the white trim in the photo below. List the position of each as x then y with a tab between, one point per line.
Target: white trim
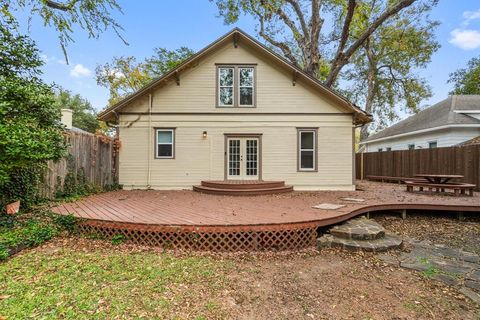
466	111
220	86
240	87
448	126
172	131
312	150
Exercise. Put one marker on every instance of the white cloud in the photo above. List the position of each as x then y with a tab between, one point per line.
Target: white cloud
61	61
79	71
465	39
470	15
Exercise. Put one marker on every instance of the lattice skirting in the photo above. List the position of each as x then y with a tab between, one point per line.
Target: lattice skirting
208	238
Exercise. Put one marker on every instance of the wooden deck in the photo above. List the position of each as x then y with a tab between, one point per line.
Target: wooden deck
187	211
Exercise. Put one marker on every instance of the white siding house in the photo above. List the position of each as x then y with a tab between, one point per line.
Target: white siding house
445	124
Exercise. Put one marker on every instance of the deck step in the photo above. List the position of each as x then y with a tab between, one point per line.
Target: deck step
243	184
388	242
359	229
359	234
243	192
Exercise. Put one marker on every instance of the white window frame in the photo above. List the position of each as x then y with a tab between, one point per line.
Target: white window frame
299	147
220	104
172	131
434	141
240	87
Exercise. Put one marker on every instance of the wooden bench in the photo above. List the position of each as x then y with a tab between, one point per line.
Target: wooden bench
458	188
393	179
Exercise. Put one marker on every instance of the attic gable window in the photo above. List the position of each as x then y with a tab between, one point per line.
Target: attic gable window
225	83
235	86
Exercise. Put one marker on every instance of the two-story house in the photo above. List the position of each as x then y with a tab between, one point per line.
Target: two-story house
236	111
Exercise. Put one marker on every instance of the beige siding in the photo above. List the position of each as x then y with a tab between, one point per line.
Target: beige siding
197	89
281	106
199	159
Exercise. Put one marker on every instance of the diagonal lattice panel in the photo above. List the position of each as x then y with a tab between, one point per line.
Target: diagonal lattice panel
242	238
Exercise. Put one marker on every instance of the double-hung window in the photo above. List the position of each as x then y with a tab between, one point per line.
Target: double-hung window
165	143
245	86
226	81
236	86
307	149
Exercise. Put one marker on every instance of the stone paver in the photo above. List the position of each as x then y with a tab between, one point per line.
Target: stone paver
454	267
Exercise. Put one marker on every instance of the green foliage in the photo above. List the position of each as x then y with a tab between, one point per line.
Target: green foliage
467	80
84	115
30	130
29	234
92	16
383	74
67	222
118	239
125	75
23	185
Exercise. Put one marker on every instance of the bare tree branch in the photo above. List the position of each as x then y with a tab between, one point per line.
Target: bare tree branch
59	5
300	15
281	45
345	30
344	57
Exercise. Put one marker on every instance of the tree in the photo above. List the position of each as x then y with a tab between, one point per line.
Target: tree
386	66
297	29
466	80
91	15
84	115
30	129
125	75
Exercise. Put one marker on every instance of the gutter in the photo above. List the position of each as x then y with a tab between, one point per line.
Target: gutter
448	126
149	170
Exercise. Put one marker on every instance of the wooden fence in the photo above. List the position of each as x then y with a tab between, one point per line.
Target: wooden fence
406	163
92	160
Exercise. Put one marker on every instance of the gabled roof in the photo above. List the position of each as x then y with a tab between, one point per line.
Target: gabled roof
237	35
447	113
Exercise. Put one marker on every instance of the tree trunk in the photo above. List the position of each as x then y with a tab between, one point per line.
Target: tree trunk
370	87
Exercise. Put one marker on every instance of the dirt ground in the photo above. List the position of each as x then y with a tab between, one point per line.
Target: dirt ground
339	285
438	227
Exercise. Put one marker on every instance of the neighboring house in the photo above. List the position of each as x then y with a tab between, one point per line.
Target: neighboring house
447	123
236	111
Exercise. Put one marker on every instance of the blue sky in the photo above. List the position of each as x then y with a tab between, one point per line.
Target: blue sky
194	23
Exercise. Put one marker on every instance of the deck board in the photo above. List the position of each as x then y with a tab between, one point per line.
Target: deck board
187	208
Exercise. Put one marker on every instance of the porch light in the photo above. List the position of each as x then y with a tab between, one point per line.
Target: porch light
204	134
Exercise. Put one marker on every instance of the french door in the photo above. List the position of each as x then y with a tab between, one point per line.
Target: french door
242	158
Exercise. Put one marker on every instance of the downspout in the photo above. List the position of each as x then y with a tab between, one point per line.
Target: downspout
149	170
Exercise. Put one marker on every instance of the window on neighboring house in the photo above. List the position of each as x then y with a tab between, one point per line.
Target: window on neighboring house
432	144
380	149
236	86
165	143
389	148
411	146
307	149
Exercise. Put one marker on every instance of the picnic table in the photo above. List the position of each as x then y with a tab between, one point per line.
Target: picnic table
439	182
438	178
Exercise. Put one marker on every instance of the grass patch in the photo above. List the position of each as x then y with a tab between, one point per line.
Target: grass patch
106	284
